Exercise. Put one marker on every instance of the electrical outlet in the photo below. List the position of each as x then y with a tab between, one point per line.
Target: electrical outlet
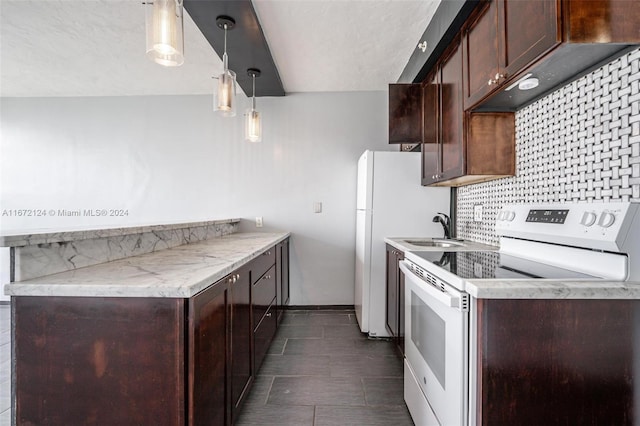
477	270
477	213
258	221
317	207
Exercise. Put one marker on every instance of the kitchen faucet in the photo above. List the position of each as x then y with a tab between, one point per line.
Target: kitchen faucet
445	221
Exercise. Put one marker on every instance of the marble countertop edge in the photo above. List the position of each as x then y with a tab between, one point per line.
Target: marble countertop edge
179	272
48	237
553	289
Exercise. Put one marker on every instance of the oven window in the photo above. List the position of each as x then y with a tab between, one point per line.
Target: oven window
428	335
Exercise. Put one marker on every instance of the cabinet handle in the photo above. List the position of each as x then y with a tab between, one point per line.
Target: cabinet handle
266	277
496	80
268	315
267	253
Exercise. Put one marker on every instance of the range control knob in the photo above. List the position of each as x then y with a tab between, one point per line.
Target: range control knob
606	219
511	216
588	218
502	215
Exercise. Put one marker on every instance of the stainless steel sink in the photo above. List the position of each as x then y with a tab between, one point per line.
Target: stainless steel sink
436	242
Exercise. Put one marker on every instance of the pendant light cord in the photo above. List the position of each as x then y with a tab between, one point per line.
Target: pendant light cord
225	59
253	100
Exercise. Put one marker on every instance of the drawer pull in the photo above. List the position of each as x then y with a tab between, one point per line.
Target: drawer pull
267	253
268	315
266	277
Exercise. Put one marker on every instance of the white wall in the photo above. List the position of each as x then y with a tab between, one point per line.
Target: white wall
170	159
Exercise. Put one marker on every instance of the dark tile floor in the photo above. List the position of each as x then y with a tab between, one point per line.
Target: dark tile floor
321	371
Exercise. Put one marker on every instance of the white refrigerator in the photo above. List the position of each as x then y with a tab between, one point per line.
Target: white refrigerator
390	203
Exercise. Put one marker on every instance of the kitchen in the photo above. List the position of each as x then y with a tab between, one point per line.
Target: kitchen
120	153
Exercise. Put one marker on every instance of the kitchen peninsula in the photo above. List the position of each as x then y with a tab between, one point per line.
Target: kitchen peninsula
162	337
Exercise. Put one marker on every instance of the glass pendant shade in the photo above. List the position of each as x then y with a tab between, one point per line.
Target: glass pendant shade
165	37
253	119
253	126
224	98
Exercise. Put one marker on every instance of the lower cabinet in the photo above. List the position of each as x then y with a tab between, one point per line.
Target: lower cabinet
150	361
209	352
557	362
282	277
395	296
242	371
264	314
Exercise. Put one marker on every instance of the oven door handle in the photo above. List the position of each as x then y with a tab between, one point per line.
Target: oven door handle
443	297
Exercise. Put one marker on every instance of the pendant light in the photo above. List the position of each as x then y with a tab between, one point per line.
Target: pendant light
224	98
253	120
165	36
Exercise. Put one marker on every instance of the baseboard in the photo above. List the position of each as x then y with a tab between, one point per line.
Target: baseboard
318	308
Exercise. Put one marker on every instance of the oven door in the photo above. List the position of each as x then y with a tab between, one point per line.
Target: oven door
436	345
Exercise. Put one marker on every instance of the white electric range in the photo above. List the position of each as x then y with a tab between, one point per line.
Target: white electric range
569	242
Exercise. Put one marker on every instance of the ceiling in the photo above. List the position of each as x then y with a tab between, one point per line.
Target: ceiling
96	47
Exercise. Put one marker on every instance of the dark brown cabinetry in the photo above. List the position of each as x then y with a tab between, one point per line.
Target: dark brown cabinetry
263	294
501	43
282	277
209	337
395	296
242	371
160	361
443	153
108	361
557	362
502	39
264	314
405	113
461	148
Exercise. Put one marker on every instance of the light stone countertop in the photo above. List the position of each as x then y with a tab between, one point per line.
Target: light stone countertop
44	237
529	289
401	244
179	272
553	289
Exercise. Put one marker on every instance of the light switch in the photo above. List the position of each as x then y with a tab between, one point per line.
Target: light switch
317	207
258	221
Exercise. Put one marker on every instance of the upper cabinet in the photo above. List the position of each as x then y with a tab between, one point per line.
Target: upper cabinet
463	111
501	39
405	113
552	41
452	155
461	148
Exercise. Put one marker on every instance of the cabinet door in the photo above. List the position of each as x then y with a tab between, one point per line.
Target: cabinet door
528	29
282	277
285	272
405	113
209	355
431	142
451	115
392	292
241	338
482	54
401	309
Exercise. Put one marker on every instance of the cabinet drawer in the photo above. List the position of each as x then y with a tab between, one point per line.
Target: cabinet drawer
263	335
262	263
263	292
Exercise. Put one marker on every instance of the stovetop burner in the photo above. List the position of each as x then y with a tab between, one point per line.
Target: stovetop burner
494	265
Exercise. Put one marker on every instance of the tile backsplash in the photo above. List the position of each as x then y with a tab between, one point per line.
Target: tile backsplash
579	143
